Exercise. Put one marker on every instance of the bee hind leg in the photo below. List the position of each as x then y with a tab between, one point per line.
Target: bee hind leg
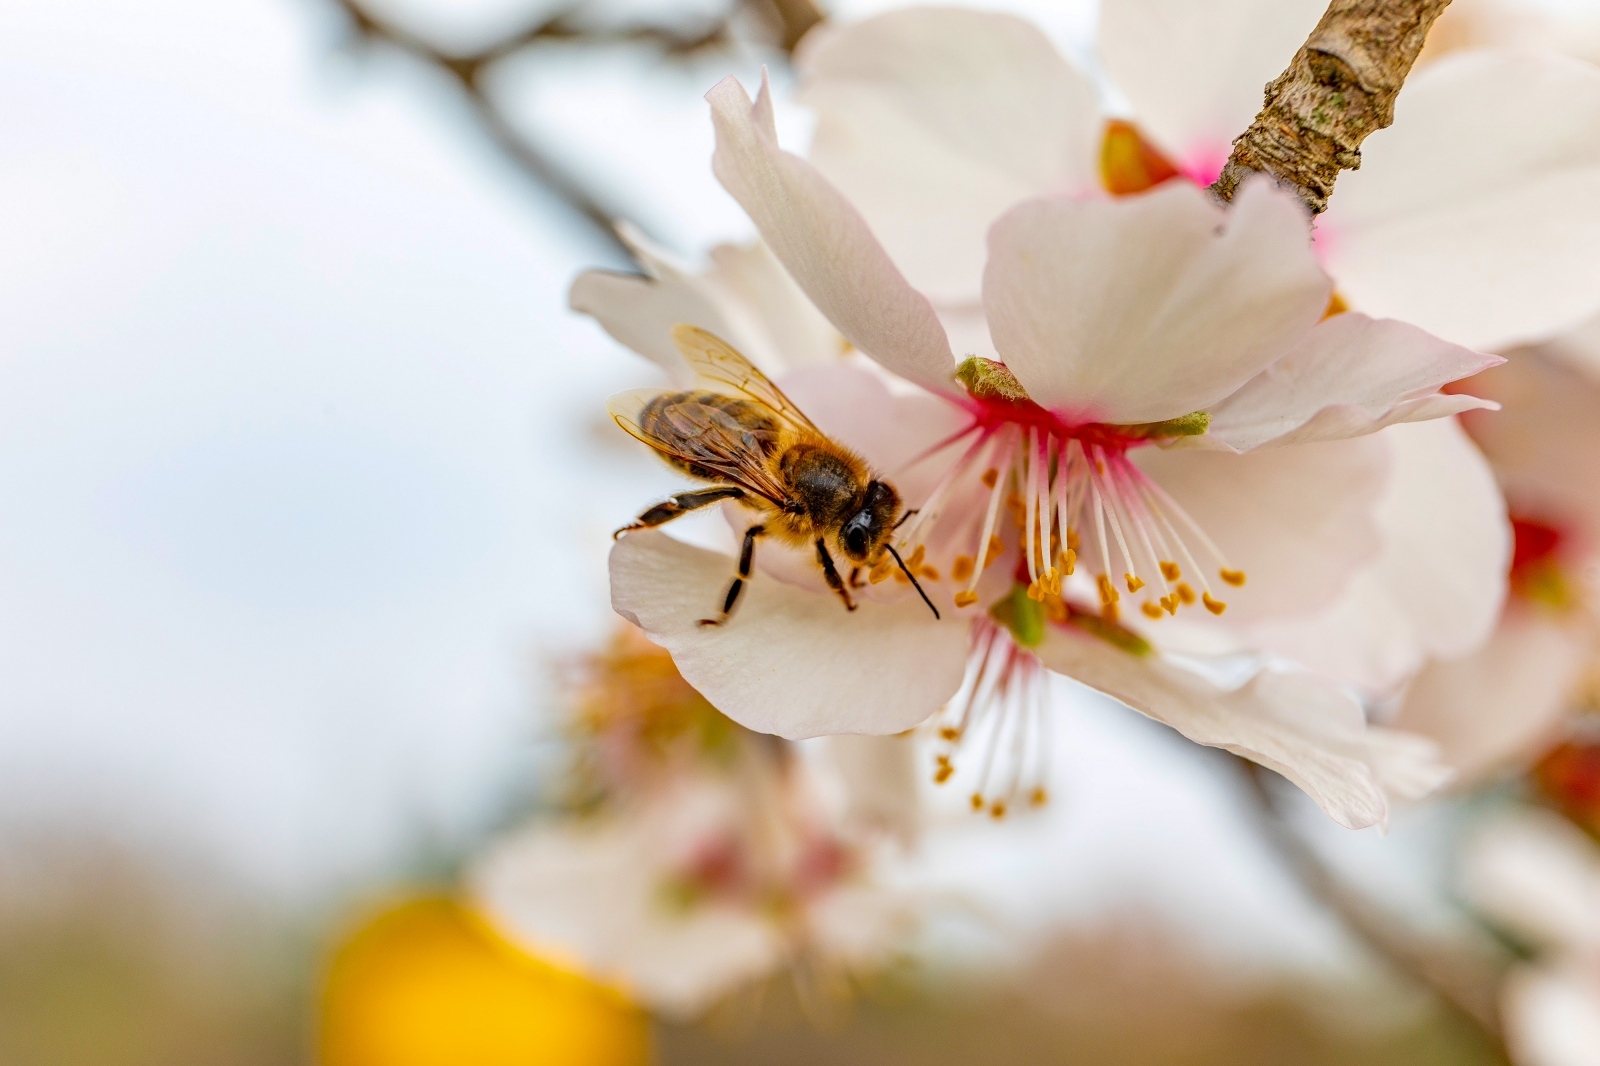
680	505
830	573
747	555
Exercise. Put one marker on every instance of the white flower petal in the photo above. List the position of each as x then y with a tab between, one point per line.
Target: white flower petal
781	329
823	243
1152	306
790	661
1553	1014
1305	728
1299	521
639	311
934	121
1477	214
591	894
1501	705
1352	375
1194	72
1437	585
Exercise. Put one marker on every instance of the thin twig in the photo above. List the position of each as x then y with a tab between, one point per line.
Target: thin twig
790	18
1463	980
1339	88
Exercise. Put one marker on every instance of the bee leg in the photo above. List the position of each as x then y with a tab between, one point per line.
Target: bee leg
747	555
855	578
832	575
680	505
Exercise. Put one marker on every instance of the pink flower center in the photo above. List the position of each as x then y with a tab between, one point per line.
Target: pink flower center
1075	500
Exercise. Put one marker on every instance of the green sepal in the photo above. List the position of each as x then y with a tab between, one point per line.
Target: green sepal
1192	424
1110	632
1022	616
985	379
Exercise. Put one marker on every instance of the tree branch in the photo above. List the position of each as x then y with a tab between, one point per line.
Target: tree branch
1464	979
789	21
1339	88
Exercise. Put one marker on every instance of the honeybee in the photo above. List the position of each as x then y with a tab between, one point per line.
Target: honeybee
742	434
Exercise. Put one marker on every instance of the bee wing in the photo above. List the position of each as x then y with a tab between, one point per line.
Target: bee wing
723	368
707	437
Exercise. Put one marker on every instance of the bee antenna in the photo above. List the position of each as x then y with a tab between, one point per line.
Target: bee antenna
913	577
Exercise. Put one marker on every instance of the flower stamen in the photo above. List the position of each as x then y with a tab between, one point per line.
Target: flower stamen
1002	705
1078	501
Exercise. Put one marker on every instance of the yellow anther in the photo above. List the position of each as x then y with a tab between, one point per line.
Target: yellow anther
880	569
914	560
1232	577
1052	581
966	599
931	573
942	774
900	577
1109	612
990	476
1170	571
951	734
996	546
1151	610
997	810
961	569
1055	609
1185	594
1135	582
977	801
1069	560
1019	510
1073	541
1035	591
1214	606
1170	602
1108	591
1039	797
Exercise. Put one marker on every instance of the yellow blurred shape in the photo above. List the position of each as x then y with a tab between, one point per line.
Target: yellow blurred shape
427	983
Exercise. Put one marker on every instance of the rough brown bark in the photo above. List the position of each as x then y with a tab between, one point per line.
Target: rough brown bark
1339	88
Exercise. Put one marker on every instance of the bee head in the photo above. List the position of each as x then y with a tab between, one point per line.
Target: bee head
865	530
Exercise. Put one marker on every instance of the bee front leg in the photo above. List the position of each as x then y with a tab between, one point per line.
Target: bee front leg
855	578
747	555
680	505
832	575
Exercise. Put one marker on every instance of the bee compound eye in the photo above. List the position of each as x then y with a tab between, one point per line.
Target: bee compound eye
855	539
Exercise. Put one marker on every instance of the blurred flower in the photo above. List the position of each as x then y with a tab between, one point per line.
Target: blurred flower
1568	777
1504	704
427	982
715	857
1211	345
1524	25
1538	877
1476	216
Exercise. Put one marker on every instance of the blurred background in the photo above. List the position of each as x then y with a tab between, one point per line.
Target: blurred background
307	488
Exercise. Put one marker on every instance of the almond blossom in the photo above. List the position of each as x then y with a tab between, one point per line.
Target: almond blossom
1475	216
706	857
1502	704
1159	319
